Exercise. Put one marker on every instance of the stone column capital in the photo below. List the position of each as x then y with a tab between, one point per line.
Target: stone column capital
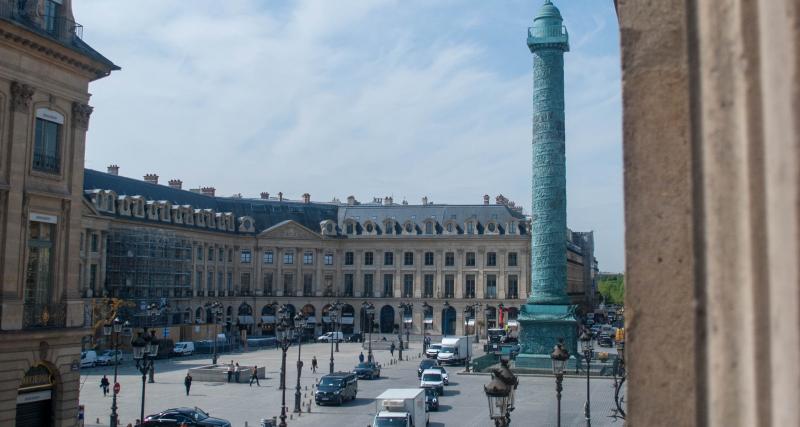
81	114
21	95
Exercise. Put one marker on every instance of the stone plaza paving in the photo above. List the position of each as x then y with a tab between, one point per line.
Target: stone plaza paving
463	404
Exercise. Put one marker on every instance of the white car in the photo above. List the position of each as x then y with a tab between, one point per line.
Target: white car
433	351
88	359
432	378
445	377
107	357
330	336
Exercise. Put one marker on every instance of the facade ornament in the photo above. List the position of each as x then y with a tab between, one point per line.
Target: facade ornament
80	115
21	95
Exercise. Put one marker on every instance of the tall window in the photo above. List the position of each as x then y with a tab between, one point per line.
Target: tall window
288	257
513	287
389	227
229	282
470	260
491	286
230	255
246	256
470	286
491	259
368	285
512	259
211	253
308	284
408	258
308	258
512	228
449	286
388	286
328	259
428	227
267	257
51	12
428	258
348	258
209	281
268	284
288	284
388	258
221	255
46	146
470	228
245	277
368	258
93	243
408	286
220	283
449	227
350	228
198	281
199	252
348	285
449	259
428	281
93	276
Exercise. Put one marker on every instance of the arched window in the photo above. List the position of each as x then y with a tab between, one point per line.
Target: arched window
350	228
491	227
449	227
329	228
370	228
470	227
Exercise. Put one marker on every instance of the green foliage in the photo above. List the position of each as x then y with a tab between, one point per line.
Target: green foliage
612	289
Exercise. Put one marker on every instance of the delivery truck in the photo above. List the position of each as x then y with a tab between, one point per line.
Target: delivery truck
455	351
401	407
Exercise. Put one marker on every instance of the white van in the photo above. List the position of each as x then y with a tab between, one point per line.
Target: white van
331	336
185	348
88	359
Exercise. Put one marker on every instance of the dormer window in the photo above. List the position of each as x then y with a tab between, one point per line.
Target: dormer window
428	227
350	228
491	227
329	228
470	227
370	228
449	227
389	227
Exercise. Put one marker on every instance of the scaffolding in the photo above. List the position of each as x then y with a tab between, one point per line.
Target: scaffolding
147	263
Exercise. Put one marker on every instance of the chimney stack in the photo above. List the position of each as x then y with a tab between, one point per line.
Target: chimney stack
306	198
208	191
264	195
113	169
389	200
176	184
425	200
151	178
280	196
485	199
351	200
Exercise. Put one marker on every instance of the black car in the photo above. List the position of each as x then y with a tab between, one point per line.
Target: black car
336	388
356	337
367	370
178	417
603	340
425	364
431	399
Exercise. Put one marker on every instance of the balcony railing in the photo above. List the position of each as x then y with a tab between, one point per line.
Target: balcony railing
60	28
46	163
43	316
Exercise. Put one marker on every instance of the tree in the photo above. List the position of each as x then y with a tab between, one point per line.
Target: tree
612	288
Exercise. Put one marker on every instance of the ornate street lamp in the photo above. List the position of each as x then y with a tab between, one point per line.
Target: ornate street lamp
500	393
425	310
299	325
370	310
115	328
588	350
216	311
444	319
283	328
145	350
404	307
333	314
559	358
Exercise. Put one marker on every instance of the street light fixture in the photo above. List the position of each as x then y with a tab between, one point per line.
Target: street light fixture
145	350
588	350
444	320
299	325
559	358
114	327
500	393
404	307
370	310
333	314
425	310
216	313
283	328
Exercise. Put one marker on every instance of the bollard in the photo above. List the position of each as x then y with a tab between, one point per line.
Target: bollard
98	421
245	424
291	416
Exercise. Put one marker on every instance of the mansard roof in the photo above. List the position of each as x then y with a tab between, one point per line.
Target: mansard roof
418	214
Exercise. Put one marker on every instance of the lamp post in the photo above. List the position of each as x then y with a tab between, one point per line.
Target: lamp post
425	309
216	312
588	350
145	350
283	329
404	306
559	358
500	393
475	310
153	310
333	312
114	327
619	370
299	325
369	309
444	320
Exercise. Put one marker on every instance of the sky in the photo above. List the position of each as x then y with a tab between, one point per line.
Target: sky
371	98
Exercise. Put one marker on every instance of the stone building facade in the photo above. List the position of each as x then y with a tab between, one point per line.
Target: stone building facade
45	71
145	241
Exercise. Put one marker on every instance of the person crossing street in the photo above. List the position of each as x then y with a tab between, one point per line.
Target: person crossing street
254	376
188	383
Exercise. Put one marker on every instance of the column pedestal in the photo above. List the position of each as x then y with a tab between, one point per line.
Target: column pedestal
541	326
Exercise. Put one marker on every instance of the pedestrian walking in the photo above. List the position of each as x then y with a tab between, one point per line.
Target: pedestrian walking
188	383
230	371
361	357
391	349
254	376
236	372
314	364
104	385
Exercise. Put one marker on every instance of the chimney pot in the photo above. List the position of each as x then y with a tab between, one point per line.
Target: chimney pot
351	200
425	200
208	191
264	195
151	178
113	169
485	199
280	196
306	198
176	184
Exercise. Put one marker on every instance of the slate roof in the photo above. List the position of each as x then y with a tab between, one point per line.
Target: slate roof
265	213
419	213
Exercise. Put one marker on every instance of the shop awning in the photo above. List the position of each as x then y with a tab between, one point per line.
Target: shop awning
246	320
267	319
407	320
311	322
429	320
347	320
469	322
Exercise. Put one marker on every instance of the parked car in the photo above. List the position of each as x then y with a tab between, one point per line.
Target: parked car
108	357
183	348
426	364
443	371
367	370
356	337
88	359
431	399
603	340
433	351
179	417
330	336
432	378
336	388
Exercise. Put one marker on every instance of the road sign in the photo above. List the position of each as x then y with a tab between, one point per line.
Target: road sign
116	388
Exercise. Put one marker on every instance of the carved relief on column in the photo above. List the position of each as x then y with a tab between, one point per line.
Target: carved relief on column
81	114
21	95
